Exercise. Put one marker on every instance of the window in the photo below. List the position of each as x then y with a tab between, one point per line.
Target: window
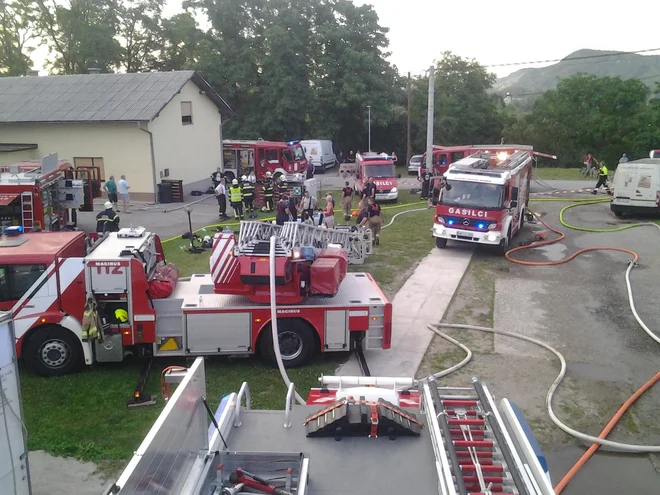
272	155
457	155
186	112
15	280
288	156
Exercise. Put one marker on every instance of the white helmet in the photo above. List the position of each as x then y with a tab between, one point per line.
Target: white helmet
234	182
107	205
268	174
244	177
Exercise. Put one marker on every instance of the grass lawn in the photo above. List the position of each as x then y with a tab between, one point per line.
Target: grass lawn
552	173
85	415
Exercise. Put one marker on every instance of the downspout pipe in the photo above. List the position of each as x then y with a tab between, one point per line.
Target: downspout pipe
153	161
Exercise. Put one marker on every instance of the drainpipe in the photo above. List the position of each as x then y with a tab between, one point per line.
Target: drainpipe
153	161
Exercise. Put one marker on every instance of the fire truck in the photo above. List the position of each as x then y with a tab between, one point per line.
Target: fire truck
47	279
49	192
381	168
279	158
484	198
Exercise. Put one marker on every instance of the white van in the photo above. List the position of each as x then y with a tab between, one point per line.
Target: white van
320	154
636	187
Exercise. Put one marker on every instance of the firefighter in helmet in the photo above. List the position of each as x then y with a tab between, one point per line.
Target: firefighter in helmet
269	192
248	194
236	199
107	220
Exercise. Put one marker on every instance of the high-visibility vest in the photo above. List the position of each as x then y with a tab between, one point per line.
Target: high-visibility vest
235	194
603	170
268	189
248	190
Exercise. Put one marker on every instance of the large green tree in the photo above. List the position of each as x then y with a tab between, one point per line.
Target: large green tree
18	28
606	116
139	34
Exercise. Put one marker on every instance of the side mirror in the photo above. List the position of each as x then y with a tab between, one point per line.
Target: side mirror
514	194
514	204
448	187
398	176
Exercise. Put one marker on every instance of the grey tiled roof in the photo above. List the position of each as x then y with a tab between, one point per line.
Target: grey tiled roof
95	97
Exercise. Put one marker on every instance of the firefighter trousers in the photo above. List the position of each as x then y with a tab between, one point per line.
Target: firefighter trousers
238	209
346	204
374	225
269	202
249	204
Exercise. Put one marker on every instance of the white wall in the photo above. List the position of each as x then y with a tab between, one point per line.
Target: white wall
190	152
124	149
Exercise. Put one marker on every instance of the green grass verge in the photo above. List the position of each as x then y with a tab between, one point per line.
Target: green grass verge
85	415
552	173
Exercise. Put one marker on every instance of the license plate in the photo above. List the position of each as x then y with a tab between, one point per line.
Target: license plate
622	200
463	233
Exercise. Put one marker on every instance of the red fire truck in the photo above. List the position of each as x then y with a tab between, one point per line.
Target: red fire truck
50	193
46	279
485	198
381	168
278	158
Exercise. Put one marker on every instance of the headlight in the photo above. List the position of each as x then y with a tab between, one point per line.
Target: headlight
440	220
394	189
491	237
492	226
502	155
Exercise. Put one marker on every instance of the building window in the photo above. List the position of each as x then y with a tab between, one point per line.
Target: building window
186	112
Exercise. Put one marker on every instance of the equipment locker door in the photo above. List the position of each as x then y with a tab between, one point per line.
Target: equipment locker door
108	277
218	333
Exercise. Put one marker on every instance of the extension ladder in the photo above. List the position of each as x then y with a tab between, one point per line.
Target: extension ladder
357	244
475	453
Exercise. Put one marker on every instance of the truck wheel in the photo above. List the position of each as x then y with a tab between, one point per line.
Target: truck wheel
297	342
504	244
440	242
229	176
53	351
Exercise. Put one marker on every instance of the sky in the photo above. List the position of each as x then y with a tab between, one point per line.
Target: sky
503	32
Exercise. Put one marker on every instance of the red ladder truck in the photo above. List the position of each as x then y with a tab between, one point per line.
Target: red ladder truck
49	192
46	278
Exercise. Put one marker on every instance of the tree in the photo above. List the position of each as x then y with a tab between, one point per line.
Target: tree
587	114
81	35
139	33
464	112
182	44
18	27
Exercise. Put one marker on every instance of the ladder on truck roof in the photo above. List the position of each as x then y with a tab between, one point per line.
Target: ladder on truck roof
475	451
358	244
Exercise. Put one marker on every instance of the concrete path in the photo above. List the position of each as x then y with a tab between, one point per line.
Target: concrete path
50	475
422	300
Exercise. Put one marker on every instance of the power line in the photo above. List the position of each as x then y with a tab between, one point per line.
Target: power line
585	57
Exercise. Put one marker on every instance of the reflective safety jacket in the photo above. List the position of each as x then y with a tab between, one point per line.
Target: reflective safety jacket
283	187
603	171
269	190
248	190
90	322
107	221
235	194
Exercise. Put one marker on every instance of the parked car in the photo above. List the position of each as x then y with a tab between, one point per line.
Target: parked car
414	164
320	153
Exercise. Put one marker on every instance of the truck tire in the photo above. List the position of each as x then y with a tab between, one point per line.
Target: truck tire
297	342
440	242
53	351
229	176
504	244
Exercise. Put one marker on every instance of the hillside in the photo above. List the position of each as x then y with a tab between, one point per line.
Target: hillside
533	81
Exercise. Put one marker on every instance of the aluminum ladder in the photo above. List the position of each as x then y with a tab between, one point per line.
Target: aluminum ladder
27	211
292	235
475	452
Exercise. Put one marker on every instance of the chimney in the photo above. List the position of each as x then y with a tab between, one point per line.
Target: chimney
33	73
93	71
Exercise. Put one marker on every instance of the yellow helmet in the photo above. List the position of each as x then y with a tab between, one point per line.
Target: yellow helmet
121	315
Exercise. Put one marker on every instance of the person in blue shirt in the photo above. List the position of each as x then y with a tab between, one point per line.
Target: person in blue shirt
110	187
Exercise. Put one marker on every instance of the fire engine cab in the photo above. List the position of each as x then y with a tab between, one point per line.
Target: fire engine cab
381	168
484	198
48	193
145	310
279	158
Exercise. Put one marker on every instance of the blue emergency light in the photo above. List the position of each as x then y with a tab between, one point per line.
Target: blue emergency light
291	143
14	230
481	225
450	222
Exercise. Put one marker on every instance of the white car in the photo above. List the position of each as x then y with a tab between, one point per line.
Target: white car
414	164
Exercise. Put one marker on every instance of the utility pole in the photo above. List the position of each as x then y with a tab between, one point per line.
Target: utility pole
429	123
369	108
409	144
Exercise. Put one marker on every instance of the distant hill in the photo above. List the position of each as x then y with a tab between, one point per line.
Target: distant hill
626	66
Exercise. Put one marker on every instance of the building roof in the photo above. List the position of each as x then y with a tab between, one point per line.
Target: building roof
135	97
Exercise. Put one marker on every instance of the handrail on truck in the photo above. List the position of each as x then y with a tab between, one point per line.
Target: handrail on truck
244	391
290	398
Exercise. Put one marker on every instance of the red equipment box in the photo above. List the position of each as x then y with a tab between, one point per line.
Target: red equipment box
325	276
338	254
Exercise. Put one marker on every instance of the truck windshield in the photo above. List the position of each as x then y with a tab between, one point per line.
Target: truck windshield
473	194
298	153
377	171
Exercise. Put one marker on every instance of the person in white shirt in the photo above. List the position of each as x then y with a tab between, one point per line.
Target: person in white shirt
122	189
252	178
221	195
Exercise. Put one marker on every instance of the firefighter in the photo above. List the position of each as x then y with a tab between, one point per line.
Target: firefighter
347	194
107	220
269	192
282	186
236	199
248	195
602	179
375	219
426	184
